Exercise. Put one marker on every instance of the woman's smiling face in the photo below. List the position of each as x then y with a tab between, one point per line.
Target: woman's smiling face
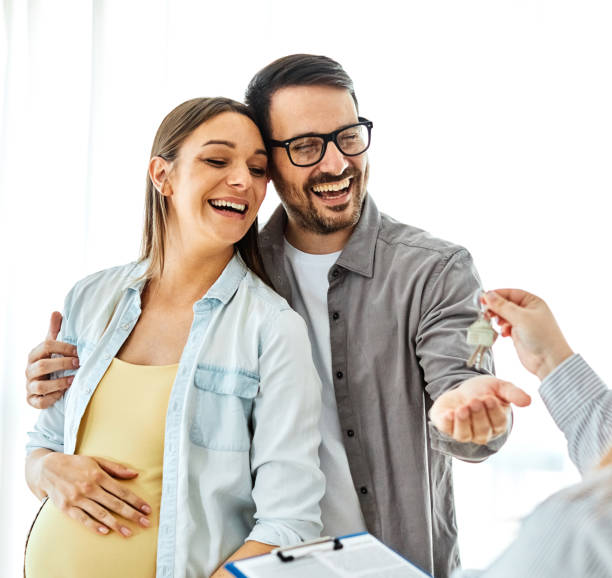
217	183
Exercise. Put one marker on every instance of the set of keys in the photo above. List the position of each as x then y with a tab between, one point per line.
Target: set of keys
480	335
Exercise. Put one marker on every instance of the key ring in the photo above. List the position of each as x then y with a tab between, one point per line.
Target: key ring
483	310
477	299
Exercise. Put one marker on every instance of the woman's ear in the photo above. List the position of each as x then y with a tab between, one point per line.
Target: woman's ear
159	169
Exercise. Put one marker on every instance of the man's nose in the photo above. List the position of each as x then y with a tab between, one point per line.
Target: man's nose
333	161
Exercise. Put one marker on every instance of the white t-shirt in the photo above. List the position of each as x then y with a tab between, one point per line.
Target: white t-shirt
307	273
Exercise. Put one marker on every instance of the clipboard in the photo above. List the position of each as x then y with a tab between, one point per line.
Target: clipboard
355	555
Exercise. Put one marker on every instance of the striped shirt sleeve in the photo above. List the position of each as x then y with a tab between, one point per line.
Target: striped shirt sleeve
570	533
567	535
581	405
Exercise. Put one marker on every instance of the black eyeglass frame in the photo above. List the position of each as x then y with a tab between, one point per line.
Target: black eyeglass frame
329	137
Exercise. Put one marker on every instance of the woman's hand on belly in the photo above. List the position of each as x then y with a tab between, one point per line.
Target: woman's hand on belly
90	491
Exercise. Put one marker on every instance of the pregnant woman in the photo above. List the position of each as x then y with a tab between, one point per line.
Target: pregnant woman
189	434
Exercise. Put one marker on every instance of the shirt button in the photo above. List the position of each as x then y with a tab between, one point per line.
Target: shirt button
339	374
350	433
125	326
335	273
336	315
363	490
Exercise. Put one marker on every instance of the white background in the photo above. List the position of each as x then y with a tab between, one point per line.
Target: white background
492	128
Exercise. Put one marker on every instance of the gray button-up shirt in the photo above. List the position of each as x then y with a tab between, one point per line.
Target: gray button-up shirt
399	302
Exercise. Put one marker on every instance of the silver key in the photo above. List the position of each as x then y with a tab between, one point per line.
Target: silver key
482	336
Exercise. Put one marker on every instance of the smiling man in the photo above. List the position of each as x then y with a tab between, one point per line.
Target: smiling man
323	203
386	306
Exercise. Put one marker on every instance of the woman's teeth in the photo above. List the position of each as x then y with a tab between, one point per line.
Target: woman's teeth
228	206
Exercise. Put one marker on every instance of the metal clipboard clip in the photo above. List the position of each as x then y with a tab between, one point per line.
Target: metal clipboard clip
292	552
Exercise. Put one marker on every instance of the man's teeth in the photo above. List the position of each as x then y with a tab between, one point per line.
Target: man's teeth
332	187
220	204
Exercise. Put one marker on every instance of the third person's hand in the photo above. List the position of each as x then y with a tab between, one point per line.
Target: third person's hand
526	318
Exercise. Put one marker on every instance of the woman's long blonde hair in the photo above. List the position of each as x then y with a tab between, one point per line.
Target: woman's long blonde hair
171	134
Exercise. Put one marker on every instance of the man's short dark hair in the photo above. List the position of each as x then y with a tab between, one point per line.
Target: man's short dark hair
293	70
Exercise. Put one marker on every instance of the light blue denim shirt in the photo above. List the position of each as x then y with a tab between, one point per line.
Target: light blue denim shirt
241	435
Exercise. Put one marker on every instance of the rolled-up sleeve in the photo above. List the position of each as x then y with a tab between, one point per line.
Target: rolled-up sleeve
448	309
288	483
48	431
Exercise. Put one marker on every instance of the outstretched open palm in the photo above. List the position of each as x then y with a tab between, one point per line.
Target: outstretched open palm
478	410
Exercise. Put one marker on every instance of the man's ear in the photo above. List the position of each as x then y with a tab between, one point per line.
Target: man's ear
159	169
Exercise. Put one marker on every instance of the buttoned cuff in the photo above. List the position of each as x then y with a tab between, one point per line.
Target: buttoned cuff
467	451
568	387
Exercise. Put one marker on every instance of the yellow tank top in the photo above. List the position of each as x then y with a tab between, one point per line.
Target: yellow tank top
124	422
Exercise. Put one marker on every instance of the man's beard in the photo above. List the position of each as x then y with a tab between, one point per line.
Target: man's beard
305	214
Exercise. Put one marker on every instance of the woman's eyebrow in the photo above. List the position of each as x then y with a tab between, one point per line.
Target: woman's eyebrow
232	145
220	142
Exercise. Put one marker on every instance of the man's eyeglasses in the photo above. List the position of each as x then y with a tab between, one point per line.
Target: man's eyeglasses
308	150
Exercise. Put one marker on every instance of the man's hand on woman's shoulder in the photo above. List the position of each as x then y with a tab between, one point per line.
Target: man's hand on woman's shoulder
46	358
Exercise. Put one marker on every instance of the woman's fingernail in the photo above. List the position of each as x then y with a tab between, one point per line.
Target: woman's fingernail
70	379
125	531
145	522
103	530
145	508
75	362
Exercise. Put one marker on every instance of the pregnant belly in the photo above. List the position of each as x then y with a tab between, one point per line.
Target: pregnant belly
125	423
64	548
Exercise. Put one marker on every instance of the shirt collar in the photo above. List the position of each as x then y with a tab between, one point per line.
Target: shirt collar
223	288
273	233
136	277
358	253
227	284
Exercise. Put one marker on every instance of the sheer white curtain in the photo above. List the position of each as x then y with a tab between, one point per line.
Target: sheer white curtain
492	128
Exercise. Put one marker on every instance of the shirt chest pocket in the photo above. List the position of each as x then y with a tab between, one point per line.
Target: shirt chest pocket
222	412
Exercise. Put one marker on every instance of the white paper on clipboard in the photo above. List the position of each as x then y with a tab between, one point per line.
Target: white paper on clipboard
361	556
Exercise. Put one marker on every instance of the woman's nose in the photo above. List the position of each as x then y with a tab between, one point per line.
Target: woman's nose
240	178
